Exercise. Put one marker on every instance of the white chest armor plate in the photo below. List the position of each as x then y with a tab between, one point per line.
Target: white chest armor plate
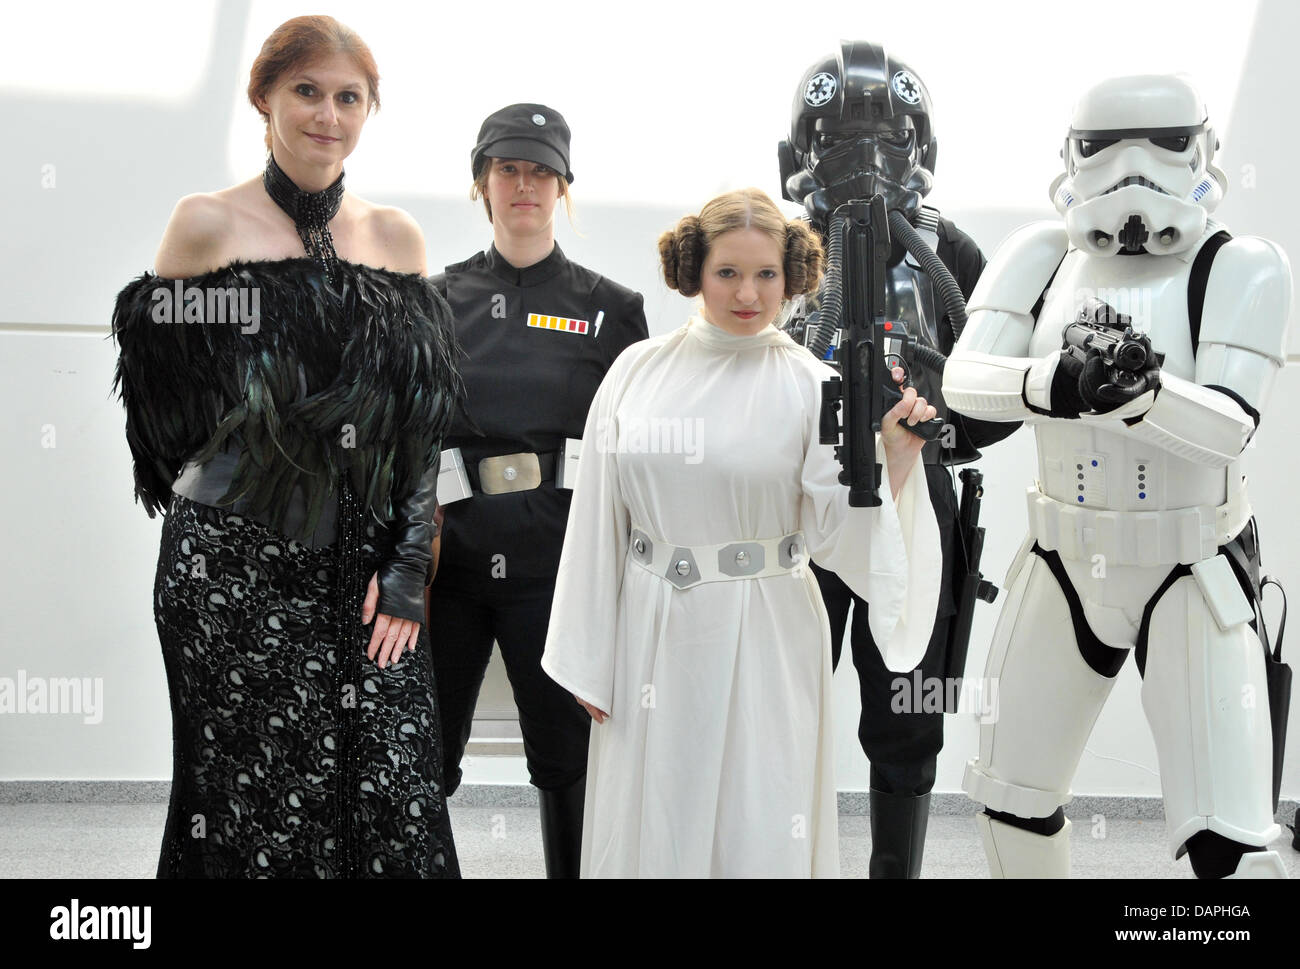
1094	464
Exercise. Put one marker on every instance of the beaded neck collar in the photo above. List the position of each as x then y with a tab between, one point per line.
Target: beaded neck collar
311	213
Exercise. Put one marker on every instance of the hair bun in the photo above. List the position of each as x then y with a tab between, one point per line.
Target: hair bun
804	259
681	252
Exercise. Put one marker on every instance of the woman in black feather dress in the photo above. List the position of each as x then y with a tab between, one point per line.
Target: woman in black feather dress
288	377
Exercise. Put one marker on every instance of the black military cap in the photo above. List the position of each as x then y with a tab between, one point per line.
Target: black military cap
532	132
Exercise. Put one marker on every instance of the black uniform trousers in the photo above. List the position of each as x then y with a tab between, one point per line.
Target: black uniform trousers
903	747
467	613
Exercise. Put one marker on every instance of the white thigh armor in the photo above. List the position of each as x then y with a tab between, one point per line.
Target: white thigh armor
1206	700
1048	700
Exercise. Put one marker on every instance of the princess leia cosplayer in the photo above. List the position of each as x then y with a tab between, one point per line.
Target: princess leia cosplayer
685	618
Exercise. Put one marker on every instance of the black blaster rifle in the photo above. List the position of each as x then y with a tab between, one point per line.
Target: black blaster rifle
1128	356
968	581
870	347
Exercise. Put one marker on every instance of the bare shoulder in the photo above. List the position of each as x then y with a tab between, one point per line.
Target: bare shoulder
395	238
195	235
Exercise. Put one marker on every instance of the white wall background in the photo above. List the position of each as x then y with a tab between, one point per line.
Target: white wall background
109	114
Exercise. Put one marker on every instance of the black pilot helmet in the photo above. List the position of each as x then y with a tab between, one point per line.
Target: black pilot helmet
860	126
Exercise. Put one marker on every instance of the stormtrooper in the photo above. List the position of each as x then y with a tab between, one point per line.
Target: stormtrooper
1141	536
861	127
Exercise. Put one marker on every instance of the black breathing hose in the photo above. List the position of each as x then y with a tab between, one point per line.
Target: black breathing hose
821	324
830	294
948	289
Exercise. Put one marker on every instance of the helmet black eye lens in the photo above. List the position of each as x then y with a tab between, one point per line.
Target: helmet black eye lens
1090	146
899	138
1174	143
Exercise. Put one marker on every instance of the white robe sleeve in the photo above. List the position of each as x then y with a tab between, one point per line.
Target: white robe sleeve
889	555
581	638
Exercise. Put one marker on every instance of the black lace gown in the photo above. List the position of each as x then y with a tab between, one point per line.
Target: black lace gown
294	754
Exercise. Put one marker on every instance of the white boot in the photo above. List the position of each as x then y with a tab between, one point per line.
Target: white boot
1260	864
1016	853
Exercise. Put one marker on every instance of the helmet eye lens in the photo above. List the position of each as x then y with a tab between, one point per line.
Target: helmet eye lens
893	138
1090	146
1176	143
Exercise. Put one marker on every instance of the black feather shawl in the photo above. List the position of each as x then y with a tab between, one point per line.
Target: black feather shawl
377	351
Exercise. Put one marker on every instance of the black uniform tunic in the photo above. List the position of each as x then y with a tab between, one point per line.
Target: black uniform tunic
537	344
903	747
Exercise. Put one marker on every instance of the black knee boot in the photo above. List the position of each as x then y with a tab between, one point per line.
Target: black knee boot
562	828
897	834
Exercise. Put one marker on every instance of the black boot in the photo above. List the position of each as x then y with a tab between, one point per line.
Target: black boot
897	834
562	828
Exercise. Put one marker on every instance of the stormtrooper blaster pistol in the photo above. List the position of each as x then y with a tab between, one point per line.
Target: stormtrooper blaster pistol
868	350
1101	330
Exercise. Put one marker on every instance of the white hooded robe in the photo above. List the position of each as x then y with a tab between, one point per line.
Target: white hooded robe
716	758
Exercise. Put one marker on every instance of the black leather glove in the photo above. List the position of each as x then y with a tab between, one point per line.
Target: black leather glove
1066	400
404	575
1104	388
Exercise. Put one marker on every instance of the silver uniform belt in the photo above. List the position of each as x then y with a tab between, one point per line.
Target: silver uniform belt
502	474
690	565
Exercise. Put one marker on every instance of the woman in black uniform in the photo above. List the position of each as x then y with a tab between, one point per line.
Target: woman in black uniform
539	332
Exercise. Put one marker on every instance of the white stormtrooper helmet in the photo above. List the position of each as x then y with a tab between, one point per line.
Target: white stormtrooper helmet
1137	167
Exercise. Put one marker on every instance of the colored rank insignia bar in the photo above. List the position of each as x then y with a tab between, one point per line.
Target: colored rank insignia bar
557	323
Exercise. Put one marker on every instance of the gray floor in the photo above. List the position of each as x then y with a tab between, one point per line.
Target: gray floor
94	840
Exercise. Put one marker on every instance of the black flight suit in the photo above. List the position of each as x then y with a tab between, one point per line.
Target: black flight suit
903	747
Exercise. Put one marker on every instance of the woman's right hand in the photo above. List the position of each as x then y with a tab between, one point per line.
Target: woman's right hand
600	716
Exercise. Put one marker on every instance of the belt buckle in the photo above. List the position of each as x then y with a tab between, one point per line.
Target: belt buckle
505	473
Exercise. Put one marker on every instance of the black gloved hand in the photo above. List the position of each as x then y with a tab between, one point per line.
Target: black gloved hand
403	577
1065	398
1105	388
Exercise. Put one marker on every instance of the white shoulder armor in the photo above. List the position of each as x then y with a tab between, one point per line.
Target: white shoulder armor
1244	319
1248	298
985	375
1020	269
1242	345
